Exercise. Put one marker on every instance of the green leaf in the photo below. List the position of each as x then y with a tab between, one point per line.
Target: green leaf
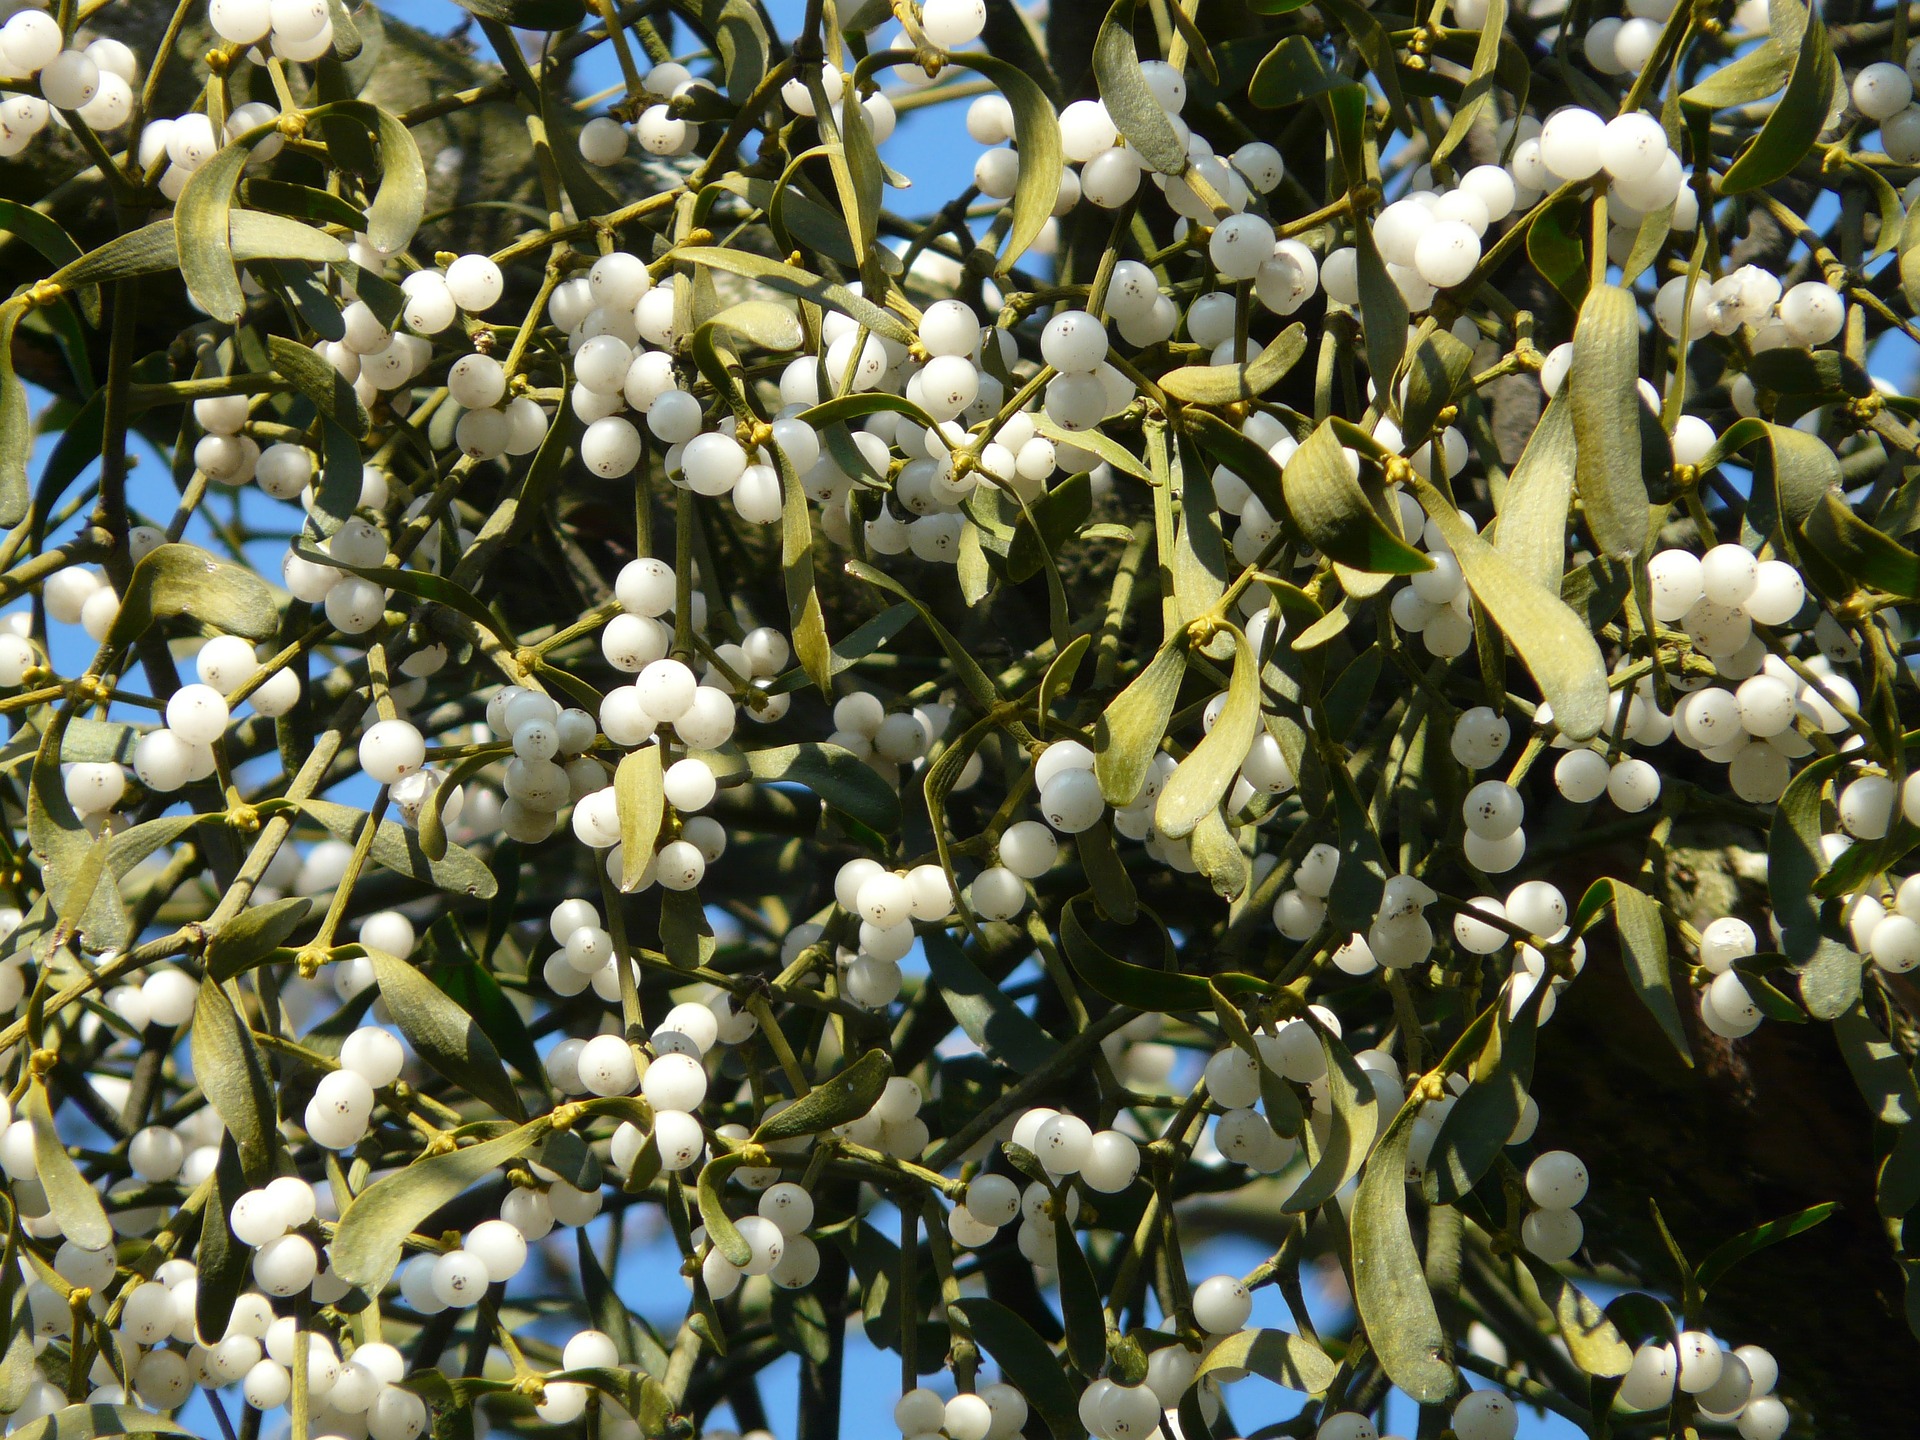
1124	91
1830	974
1376	47
71	861
1795	856
1591	1339
236	1080
528	14
842	408
1129	733
1390	1287
721	1230
1107	874
639	796
1218	855
432	827
185	580
200	221
1531	528
1046	525
1606	420
685	933
1860	552
82	1422
1879	1069
260	236
470	985
459	871
1061	671
966	667
1753	76
1139	987
847	1096
983	1010
760	322
1437	368
337	495
1792	371
1197	785
1649	239
1356	1120
16	427
146	251
1231	448
740	38
1080	1307
1478	93
1481	1121
1795	123
1231	384
253	934
1335	515
1291	72
325	386
400	201
605	1308
804	615
1556	244
1555	644
1383	309
1105	446
300	202
18	1365
70	1195
444	1035
1643	938
1910	259
1730	1253
223	1261
1284	1358
420	584
366	1246
839	777
1027	1361
57	247
803	284
1790	473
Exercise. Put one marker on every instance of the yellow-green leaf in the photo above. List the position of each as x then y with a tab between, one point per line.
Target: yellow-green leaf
444	1035
1531	529
1129	100
1335	515
200	220
847	1096
641	802
70	1195
1228	384
16	427
1390	1287
183	579
1606	420
1284	1358
1203	777
232	1072
1553	642
1795	122
366	1247
1135	722
321	383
